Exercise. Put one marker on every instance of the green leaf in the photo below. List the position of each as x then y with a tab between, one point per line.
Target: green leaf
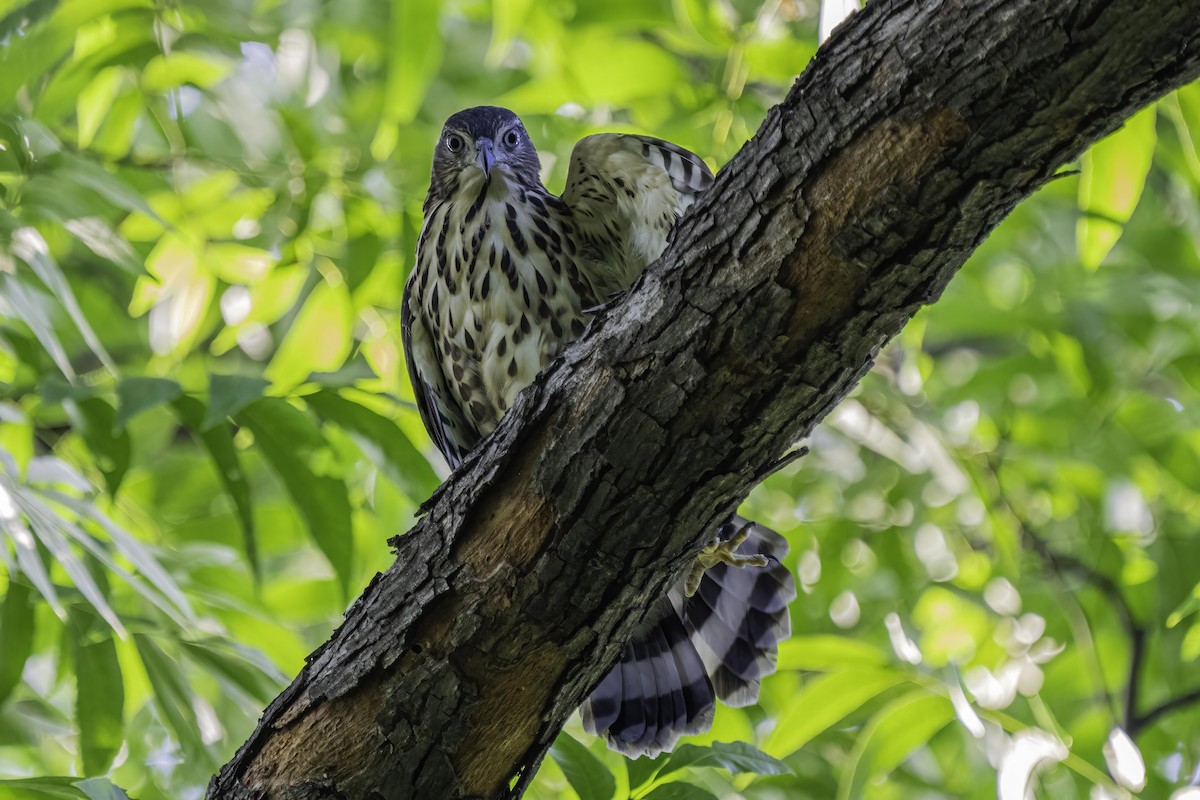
95	101
1189	606
99	703
29	557
135	395
1111	180
240	666
101	789
319	338
641	770
382	440
96	421
166	72
17	623
679	791
31	248
588	775
508	21
169	598
172	697
30	307
54	532
612	69
116	135
229	394
49	786
90	175
218	441
31	56
824	653
737	757
1189	649
950	625
824	702
299	454
899	728
415	50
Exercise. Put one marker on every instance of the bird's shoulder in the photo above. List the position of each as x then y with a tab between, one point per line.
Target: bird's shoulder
631	158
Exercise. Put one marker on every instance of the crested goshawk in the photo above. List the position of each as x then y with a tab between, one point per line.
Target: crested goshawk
505	275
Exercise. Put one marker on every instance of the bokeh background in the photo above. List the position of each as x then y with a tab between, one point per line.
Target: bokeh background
207	212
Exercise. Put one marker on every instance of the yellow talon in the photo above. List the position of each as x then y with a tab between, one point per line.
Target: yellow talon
722	552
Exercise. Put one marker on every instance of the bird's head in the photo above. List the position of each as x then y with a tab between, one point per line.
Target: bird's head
478	142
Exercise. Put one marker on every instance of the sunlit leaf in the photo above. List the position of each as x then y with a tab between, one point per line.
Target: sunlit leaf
893	733
238	263
319	338
175	69
824	702
823	653
952	626
1113	174
587	775
95	101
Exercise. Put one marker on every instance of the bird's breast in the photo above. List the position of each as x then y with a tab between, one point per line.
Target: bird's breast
501	293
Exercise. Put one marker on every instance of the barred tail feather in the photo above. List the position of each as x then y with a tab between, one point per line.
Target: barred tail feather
656	693
718	643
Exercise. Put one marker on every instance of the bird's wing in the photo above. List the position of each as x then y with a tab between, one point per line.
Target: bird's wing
625	193
445	421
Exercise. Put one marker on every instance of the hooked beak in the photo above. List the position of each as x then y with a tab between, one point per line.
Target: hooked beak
486	158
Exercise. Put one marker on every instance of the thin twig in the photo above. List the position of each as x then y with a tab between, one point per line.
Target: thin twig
1140	721
784	460
1061	564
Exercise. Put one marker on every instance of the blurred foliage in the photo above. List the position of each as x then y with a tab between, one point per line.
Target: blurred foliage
207	211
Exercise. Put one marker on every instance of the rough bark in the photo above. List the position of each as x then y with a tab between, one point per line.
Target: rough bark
917	127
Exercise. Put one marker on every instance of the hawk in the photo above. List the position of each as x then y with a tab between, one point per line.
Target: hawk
505	275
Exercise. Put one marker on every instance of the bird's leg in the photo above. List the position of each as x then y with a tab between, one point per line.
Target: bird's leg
723	552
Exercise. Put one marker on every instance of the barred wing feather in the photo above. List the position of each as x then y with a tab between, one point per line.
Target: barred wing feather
625	193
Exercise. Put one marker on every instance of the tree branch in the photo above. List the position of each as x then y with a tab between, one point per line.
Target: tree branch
916	128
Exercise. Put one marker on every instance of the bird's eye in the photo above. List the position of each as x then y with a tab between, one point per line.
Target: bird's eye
454	143
512	138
